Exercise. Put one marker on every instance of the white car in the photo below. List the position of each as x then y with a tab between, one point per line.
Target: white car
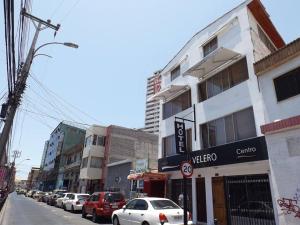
60	201
75	202
149	211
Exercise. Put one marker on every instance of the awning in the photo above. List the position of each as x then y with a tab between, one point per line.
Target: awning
213	61
147	176
169	91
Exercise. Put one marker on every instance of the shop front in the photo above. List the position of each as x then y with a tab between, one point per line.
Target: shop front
151	184
230	183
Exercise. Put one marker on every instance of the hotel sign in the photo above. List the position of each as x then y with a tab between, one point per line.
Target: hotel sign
249	150
180	137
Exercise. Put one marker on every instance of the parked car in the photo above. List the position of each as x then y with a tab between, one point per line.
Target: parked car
60	202
149	211
46	196
37	195
31	193
75	202
102	204
51	200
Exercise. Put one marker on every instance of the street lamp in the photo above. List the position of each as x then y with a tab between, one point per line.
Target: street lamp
68	44
22	161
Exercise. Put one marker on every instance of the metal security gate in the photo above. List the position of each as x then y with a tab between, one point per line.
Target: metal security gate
249	200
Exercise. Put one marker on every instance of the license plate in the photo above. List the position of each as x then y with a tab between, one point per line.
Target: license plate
114	206
177	217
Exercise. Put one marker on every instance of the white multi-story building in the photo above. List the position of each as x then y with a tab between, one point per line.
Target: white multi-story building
211	81
152	106
92	159
279	81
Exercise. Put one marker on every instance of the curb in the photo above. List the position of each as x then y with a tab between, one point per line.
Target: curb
2	213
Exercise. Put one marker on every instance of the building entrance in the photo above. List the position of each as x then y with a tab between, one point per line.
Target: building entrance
219	202
201	200
249	200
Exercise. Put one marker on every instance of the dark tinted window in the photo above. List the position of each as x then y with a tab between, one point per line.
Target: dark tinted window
287	85
210	46
141	205
175	73
95	198
234	127
131	204
176	105
82	197
220	82
113	197
163	204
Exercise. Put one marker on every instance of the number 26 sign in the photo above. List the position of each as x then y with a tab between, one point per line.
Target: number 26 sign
186	169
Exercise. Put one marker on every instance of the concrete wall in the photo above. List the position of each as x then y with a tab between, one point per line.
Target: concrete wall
284	155
275	110
133	144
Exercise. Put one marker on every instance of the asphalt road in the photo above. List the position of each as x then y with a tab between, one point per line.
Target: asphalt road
26	211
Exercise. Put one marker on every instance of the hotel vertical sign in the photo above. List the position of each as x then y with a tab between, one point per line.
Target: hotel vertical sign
180	137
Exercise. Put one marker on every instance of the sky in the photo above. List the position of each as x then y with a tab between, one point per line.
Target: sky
121	43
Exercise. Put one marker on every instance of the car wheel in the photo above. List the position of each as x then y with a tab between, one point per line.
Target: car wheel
95	217
83	213
116	221
72	209
64	207
145	223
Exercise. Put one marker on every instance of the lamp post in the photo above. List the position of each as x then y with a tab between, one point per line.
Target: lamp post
22	162
68	44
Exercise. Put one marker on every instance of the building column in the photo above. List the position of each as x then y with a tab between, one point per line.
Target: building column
194	199
273	187
209	200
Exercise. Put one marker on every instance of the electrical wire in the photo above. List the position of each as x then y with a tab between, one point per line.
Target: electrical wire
57	97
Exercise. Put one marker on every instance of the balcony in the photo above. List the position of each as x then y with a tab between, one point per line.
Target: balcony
216	60
72	165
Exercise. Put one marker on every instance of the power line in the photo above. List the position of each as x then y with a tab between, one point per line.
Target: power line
53	117
63	100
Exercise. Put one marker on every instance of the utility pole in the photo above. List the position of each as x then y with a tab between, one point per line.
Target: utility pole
16	154
16	97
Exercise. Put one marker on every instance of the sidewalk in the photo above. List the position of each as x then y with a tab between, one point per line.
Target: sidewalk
4	208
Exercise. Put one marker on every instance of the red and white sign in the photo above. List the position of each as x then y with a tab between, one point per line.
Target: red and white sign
186	169
157	84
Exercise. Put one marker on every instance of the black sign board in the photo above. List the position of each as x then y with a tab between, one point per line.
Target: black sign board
249	150
180	137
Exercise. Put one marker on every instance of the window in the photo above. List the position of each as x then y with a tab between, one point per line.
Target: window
84	162
176	105
234	127
88	141
175	73
287	85
95	198
141	205
94	139
96	162
227	78
169	145
101	141
264	38
131	204
210	46
163	204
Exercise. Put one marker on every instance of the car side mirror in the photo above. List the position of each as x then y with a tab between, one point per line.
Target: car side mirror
124	207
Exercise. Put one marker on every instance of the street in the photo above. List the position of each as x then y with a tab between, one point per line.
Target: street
26	211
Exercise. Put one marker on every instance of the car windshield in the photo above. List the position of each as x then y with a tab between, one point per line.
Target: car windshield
83	197
113	197
164	204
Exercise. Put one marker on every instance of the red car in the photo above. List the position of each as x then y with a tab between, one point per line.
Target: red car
102	204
